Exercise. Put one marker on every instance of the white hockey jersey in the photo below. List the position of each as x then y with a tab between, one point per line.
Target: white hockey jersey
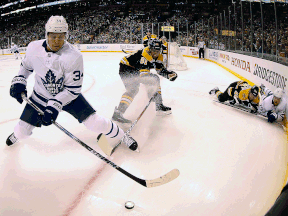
58	75
14	48
267	105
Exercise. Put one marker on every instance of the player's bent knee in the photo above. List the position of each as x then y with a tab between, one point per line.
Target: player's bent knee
152	80
23	130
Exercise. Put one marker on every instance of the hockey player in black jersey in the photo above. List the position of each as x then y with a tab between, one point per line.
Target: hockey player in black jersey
147	37
164	50
135	69
239	92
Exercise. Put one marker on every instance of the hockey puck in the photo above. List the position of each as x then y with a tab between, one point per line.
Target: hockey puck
129	205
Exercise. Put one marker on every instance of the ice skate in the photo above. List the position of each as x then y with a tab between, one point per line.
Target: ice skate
162	110
118	117
130	143
213	91
11	139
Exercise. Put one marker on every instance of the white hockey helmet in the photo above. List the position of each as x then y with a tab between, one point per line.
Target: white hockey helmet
56	24
278	93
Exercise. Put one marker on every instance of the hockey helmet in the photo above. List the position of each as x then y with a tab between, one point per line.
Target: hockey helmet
255	90
163	39
155	44
278	93
56	24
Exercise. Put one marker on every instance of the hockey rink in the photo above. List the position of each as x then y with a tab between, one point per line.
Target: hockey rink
230	162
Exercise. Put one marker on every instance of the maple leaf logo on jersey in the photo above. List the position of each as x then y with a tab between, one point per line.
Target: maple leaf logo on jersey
51	85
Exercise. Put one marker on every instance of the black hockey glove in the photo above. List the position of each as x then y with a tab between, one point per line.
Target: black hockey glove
272	116
252	108
232	102
51	112
18	86
171	75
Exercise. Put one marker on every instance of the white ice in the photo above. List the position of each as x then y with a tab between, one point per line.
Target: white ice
230	162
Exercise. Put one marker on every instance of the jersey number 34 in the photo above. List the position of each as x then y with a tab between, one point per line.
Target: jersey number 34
78	75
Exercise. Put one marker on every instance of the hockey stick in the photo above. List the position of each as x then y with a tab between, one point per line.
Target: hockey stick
170	176
247	110
124	51
135	122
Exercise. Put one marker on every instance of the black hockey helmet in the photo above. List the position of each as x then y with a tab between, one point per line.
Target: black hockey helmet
255	90
155	44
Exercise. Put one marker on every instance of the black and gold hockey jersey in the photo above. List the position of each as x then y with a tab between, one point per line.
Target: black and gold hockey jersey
243	97
146	39
240	91
141	62
165	48
236	87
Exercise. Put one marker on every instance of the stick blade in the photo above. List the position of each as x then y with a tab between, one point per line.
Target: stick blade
104	144
170	176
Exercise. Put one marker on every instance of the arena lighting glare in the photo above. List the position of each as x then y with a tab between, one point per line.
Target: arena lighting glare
266	1
39	6
11	3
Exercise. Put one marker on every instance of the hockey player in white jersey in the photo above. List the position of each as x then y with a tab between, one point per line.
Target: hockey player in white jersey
15	49
273	105
58	68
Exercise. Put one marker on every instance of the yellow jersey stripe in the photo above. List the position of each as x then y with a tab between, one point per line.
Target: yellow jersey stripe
128	97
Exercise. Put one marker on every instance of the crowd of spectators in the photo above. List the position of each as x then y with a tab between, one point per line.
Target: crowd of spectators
261	39
82	28
111	26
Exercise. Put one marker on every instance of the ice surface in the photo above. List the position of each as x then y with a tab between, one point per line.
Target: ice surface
231	163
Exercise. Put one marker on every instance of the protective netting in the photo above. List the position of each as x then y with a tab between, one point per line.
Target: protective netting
175	57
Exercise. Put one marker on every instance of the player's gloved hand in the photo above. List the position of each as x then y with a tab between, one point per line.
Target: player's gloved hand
18	86
51	112
252	109
232	102
171	75
272	116
262	87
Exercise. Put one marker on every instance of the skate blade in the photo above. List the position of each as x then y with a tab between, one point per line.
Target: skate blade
161	113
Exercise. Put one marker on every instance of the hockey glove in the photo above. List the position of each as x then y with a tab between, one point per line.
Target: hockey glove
253	111
262	89
171	75
232	102
18	86
51	112
272	116
252	108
